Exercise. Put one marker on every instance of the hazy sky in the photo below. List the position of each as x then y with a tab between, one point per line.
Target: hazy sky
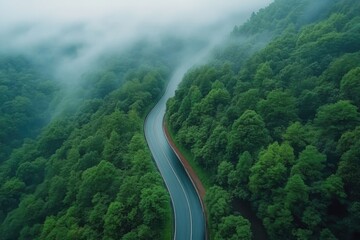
154	11
101	25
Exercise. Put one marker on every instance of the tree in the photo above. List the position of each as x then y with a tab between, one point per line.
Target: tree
217	201
298	136
192	98
326	234
308	102
214	149
310	165
106	84
142	232
10	193
223	172
279	222
332	121
115	221
263	73
54	136
335	119
333	188
348	140
248	133
216	98
239	178
32	209
297	194
311	217
48	229
56	194
271	170
101	178
350	86
247	100
278	110
153	204
233	228
31	172
355	217
303	234
349	168
95	216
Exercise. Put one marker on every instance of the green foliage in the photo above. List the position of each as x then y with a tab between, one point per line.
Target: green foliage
248	133
234	227
271	170
279	222
296	192
88	174
217	201
274	118
214	148
24	102
310	165
114	221
277	110
238	179
223	173
10	193
298	136
99	179
153	203
335	119
294	91
350	86
263	74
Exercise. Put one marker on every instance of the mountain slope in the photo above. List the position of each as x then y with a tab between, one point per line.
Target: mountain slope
89	173
279	126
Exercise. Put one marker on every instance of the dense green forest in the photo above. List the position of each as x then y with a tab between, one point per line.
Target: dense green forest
25	94
88	174
274	120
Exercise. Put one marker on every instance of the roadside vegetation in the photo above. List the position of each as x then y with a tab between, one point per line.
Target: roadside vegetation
275	120
88	173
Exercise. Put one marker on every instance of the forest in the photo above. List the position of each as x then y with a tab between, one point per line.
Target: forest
273	120
86	173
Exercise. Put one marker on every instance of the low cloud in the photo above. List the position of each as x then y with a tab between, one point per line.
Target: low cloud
51	30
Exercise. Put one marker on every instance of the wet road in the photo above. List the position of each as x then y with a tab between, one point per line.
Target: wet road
189	222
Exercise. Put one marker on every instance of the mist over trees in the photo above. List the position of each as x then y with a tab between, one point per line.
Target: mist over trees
89	174
273	116
76	81
277	127
25	95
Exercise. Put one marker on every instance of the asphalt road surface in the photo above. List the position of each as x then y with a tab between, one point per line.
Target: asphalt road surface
189	221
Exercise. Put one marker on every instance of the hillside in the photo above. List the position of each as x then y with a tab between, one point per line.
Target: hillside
274	120
23	108
88	173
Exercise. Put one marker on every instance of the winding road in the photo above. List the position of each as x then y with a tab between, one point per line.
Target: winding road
189	221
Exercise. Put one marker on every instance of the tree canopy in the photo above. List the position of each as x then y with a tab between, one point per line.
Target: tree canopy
285	137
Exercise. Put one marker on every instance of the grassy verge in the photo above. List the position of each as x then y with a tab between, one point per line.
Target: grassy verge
204	177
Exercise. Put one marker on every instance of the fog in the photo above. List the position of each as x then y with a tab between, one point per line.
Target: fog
48	31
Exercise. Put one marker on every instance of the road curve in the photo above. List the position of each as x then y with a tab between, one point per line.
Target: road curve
189	221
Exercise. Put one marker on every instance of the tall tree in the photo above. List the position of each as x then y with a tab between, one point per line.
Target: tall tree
233	228
248	133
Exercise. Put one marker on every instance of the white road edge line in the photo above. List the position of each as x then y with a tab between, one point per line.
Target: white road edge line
193	183
177	177
167	186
